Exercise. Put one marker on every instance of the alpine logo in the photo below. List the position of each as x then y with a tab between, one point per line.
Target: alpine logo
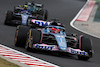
77	52
48	47
41	23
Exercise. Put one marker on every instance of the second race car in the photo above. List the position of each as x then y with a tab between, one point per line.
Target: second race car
20	15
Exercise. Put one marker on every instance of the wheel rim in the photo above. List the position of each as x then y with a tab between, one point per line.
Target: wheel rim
29	41
16	35
26	46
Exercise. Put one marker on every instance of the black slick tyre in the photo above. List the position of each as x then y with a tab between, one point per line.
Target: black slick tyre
86	45
34	37
9	16
21	35
44	14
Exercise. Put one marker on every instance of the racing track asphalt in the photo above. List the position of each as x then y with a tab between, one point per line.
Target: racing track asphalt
65	10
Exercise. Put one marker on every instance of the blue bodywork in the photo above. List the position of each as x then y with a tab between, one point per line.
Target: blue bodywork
60	36
24	14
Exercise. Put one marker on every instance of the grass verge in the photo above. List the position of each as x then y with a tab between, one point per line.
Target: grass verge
5	63
97	15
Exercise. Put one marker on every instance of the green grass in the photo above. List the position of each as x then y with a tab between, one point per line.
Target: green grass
97	15
98	6
5	63
97	0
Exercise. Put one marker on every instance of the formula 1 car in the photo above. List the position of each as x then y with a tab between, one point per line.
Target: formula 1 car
20	15
17	18
53	38
35	8
30	5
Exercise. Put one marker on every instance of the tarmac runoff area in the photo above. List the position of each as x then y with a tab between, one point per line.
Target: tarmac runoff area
89	27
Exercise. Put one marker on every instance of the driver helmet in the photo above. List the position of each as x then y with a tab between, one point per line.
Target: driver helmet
25	7
53	30
19	5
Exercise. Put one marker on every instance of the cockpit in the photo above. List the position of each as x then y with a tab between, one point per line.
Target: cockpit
55	30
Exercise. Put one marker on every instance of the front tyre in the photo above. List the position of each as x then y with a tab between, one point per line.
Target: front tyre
34	37
86	45
9	16
44	14
21	35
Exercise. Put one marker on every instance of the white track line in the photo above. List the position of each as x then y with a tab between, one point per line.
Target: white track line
72	22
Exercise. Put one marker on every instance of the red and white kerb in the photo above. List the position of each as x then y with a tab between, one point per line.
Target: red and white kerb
23	58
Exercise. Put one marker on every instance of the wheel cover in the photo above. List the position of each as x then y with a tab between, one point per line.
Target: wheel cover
16	35
29	41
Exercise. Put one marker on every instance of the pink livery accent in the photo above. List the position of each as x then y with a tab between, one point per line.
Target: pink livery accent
76	41
43	44
33	20
41	35
80	41
56	48
59	23
76	51
68	49
86	11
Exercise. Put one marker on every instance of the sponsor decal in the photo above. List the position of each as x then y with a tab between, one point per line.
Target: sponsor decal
73	51
48	47
60	36
41	23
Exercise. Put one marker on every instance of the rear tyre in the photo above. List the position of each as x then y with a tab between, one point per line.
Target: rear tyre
9	16
86	45
33	38
21	35
44	13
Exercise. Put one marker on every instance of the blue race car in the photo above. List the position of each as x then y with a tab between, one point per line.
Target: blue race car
53	38
20	18
35	8
20	15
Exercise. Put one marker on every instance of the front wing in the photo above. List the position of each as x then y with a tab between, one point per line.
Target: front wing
56	48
